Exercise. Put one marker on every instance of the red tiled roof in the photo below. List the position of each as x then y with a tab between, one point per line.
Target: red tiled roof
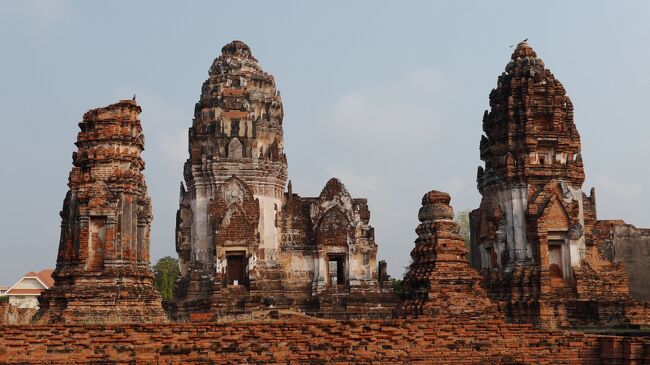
24	292
45	276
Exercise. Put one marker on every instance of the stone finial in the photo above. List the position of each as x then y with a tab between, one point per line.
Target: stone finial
435	206
237	48
523	50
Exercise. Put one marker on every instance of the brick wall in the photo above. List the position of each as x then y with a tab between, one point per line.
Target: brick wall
10	314
621	242
4	308
425	340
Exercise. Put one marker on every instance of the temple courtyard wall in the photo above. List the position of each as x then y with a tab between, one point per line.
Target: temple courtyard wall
424	340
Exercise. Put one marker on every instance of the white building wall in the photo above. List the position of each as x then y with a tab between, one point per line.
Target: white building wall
24	301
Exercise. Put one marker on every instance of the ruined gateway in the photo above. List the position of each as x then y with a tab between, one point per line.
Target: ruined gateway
242	239
535	236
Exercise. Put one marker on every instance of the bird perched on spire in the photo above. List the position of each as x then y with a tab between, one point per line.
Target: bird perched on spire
133	97
525	40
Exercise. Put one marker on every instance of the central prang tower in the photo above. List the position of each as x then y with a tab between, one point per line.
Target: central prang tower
235	176
242	240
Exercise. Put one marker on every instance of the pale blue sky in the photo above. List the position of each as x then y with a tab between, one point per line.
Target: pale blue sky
387	96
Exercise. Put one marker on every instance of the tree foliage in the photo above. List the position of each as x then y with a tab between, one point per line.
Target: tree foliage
398	284
462	218
165	275
398	287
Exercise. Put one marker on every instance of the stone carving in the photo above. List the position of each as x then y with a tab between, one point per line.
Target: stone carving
575	231
567	194
235	149
233	194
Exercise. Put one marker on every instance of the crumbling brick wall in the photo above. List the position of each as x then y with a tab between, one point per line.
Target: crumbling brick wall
10	314
621	242
4	306
361	342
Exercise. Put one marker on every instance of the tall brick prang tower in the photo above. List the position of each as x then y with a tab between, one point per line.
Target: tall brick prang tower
245	242
103	274
532	235
235	176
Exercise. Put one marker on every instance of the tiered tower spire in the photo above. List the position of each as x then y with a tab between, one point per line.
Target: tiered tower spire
103	272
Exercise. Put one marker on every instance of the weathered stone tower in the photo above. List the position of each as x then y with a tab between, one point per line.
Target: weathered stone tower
103	272
530	139
532	234
235	177
241	239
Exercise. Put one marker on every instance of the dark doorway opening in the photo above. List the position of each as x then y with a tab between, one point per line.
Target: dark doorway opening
555	259
336	269
236	269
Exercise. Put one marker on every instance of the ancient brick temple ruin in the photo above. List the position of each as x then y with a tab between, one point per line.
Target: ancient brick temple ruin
535	236
439	281
102	273
448	320
245	241
242	240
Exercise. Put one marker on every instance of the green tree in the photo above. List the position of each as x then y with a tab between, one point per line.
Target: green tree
397	287
165	275
397	284
462	218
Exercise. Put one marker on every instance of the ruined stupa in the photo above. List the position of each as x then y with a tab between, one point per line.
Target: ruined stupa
440	282
103	274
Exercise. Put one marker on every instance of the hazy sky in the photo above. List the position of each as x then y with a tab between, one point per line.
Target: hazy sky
387	96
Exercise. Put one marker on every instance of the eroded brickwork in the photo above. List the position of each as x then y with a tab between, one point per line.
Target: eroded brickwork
242	240
532	236
621	242
10	314
439	281
103	274
421	341
452	321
